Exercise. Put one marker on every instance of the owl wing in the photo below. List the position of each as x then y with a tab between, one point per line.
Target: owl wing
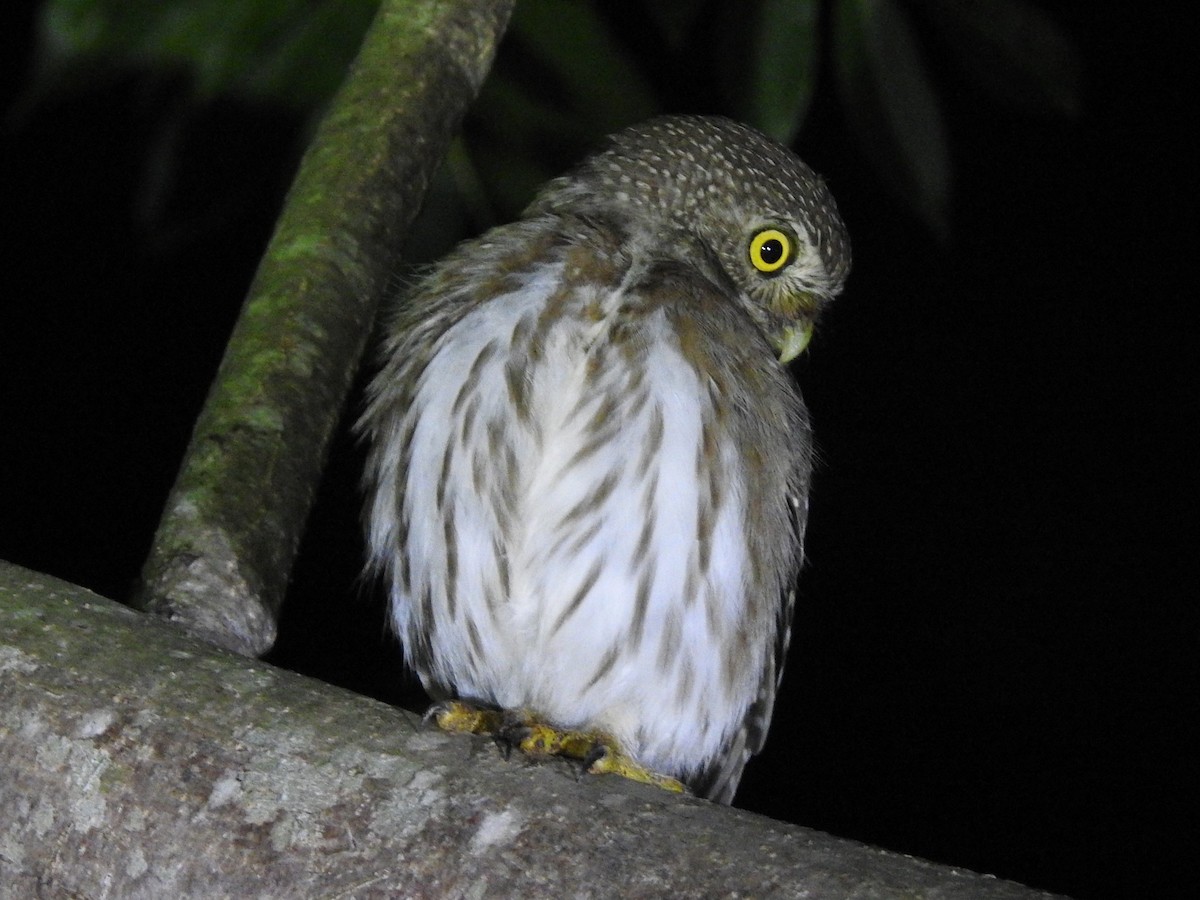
719	780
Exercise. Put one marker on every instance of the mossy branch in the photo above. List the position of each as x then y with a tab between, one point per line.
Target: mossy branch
224	548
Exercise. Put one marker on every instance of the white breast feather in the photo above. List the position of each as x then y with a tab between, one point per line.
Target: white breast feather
528	661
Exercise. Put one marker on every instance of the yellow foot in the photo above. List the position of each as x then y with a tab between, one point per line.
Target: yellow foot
606	758
464	718
599	753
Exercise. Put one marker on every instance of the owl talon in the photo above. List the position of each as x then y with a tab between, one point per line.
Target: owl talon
605	759
459	717
511	731
597	753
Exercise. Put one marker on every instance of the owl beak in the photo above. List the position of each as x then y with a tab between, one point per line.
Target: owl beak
792	340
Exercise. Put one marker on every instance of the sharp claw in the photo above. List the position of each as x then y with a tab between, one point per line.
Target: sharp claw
510	734
598	752
435	711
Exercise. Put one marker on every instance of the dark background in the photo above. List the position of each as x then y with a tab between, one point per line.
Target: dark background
995	656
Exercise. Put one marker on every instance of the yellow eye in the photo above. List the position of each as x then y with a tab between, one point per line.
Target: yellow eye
770	250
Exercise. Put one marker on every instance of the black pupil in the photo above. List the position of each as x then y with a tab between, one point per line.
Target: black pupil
771	251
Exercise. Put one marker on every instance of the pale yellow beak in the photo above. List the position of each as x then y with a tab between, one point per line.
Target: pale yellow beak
792	340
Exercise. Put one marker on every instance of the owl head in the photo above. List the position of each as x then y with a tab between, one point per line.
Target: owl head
728	200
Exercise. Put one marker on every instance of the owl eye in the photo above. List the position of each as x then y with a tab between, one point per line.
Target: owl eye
770	250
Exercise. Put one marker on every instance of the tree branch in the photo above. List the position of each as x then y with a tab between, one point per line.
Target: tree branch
221	557
136	761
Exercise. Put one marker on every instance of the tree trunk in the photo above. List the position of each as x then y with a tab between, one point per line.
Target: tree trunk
136	761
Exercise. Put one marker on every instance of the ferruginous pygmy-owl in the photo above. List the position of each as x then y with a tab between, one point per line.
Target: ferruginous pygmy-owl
589	467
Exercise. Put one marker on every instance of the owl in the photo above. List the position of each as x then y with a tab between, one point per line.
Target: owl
588	467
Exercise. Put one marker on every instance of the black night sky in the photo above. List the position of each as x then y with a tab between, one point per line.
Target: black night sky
995	657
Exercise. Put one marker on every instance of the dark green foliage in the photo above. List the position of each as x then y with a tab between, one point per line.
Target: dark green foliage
573	70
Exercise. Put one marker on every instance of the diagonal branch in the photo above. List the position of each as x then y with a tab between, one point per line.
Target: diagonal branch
225	545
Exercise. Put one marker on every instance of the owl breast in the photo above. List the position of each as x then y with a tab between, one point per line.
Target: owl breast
573	518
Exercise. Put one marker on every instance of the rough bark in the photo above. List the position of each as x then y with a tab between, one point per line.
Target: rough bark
136	761
221	557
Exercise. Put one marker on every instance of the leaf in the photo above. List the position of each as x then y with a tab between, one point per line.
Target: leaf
890	101
561	82
595	77
1013	50
675	19
784	62
515	145
293	52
